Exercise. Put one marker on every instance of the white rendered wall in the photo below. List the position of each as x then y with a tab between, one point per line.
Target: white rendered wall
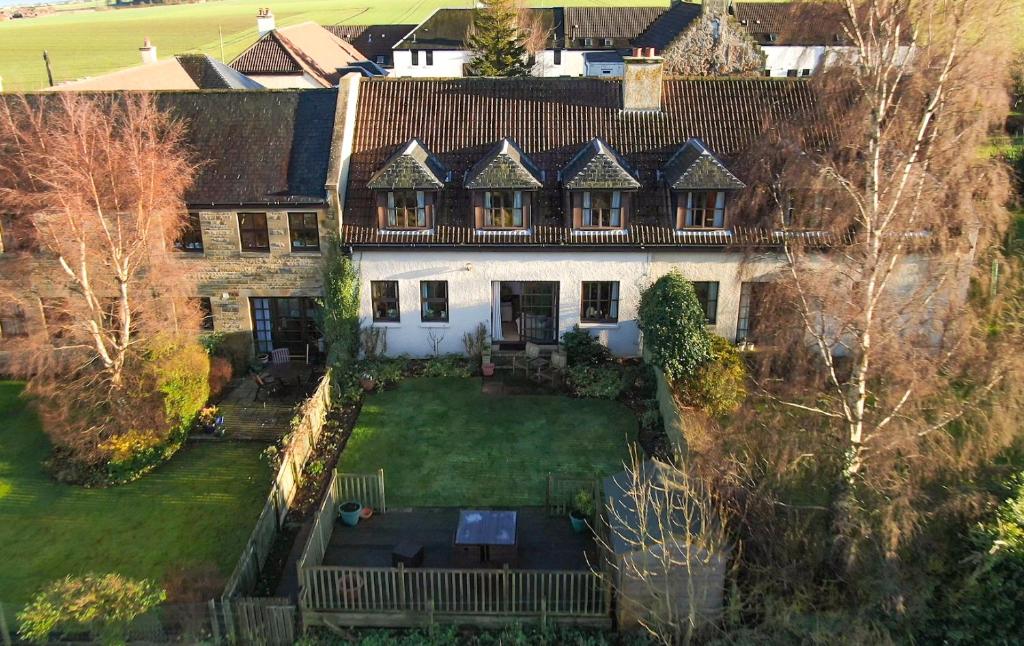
781	59
572	64
285	81
447	63
470	275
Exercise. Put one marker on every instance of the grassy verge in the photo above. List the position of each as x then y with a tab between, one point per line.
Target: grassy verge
196	510
442	442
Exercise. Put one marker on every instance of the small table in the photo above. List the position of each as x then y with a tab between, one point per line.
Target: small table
408	553
486	538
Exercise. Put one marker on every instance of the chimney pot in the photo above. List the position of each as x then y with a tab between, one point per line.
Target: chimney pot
264	22
147	52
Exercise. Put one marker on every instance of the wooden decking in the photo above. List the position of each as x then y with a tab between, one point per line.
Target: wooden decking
545	542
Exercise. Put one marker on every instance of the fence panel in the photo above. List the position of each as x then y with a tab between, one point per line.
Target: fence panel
514	593
366	489
269	621
562	491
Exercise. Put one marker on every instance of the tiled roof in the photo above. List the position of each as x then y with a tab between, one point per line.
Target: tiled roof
264	147
668	25
372	40
268	55
695	167
506	166
210	74
552	119
637	235
447	28
597	165
793	23
621	24
411	166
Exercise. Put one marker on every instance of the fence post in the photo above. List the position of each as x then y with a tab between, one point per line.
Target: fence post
380	483
401	585
430	613
214	622
3	627
506	588
229	620
543	613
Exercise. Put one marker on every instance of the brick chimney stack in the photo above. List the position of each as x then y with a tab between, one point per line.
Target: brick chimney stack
148	52
642	81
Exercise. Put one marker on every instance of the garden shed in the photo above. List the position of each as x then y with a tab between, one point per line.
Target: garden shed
667	551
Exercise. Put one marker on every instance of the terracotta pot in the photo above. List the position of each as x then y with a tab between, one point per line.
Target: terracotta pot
368	384
488	369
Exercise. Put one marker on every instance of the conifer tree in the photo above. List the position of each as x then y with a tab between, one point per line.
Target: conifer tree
497	42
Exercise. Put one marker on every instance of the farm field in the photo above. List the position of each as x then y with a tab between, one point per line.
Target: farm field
86	43
196	511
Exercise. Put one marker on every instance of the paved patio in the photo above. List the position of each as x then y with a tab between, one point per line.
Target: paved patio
545	542
267	418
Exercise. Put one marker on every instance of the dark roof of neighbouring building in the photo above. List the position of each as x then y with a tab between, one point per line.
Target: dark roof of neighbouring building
505	166
303	48
666	27
552	119
210	74
621	24
447	28
371	40
793	23
257	147
695	167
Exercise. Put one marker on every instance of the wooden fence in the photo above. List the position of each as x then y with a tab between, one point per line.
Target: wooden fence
300	447
400	596
367	489
562	491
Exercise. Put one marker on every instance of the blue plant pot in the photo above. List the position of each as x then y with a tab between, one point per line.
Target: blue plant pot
350	518
579	523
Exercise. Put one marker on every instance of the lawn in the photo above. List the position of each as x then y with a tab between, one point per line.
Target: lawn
442	442
86	43
198	509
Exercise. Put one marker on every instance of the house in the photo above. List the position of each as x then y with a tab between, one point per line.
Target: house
305	55
374	42
533	205
181	72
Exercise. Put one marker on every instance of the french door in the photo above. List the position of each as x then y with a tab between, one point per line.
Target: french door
291	323
540	311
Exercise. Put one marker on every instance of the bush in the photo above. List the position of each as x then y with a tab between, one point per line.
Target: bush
383	370
476	343
220	375
448	365
595	381
582	347
103	604
339	307
672	321
719	386
235	347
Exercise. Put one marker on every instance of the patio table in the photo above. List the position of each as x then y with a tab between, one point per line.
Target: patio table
485	537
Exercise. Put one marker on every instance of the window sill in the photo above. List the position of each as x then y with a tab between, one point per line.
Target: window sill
721	231
597	325
435	324
255	254
189	254
386	324
306	252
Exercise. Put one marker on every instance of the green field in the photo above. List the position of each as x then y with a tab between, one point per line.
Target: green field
444	443
197	510
90	42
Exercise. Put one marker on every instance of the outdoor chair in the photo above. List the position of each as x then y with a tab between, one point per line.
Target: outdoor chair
279	356
267	385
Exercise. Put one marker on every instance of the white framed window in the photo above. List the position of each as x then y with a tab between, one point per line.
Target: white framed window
503	209
407	209
705	209
602	209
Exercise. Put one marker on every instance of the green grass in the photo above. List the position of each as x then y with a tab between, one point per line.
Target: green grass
442	442
87	43
198	509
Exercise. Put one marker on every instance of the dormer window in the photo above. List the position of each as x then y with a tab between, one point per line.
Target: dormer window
608	42
602	210
704	210
503	210
407	210
588	42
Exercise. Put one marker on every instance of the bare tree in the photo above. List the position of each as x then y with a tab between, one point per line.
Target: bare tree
98	183
714	45
869	330
666	550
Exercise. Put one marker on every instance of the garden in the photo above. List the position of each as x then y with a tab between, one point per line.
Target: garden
190	515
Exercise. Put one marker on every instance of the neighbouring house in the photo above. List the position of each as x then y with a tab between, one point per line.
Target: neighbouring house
374	42
305	55
181	72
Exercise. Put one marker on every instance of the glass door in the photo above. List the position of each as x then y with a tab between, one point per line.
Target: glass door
540	311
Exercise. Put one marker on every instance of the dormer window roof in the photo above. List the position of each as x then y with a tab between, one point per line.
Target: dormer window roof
412	166
694	167
598	166
505	166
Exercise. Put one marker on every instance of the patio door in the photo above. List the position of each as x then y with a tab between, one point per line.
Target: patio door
540	311
291	323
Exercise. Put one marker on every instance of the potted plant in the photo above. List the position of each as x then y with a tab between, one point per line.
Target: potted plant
582	510
349	512
368	382
209	421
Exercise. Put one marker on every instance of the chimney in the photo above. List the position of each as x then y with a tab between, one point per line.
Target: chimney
716	7
264	22
642	81
148	52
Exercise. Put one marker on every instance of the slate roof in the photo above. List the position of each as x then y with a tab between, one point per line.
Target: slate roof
598	166
447	28
695	167
412	166
296	49
210	74
793	23
257	148
551	119
372	40
660	33
621	24
506	166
